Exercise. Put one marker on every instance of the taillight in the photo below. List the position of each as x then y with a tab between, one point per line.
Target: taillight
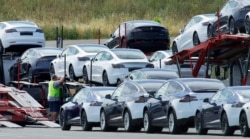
188	98
83	58
141	99
95	103
238	104
149	66
118	66
39	30
10	30
205	23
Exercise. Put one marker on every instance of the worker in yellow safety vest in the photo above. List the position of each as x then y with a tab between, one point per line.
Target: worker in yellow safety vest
54	96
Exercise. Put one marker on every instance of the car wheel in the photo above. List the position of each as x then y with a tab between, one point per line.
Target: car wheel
86	126
72	73
232	27
63	121
172	123
247	25
127	122
103	122
85	75
244	127
196	40
30	75
147	123
174	48
226	129
105	79
199	125
210	31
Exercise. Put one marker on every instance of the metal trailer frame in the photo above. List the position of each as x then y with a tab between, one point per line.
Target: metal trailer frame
225	49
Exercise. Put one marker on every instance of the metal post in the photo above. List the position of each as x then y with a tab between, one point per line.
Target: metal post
125	35
2	79
99	36
119	38
62	37
57	39
90	79
18	72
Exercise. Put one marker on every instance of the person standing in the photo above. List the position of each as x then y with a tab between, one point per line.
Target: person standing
54	96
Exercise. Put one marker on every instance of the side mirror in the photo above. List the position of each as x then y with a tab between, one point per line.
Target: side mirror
206	100
181	31
68	99
108	96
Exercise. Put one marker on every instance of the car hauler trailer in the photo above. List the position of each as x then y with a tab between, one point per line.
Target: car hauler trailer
230	51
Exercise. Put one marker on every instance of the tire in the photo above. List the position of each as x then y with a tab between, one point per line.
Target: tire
196	40
86	126
105	79
127	122
72	73
148	128
63	121
210	31
172	123
247	25
199	125
232	27
30	75
226	130
244	127
174	48
103	122
85	75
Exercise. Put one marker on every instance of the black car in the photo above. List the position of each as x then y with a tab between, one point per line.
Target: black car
146	35
150	73
125	106
222	111
33	65
231	18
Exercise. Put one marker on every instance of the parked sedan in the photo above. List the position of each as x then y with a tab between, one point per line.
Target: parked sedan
194	32
108	66
83	109
150	73
33	64
247	23
244	120
175	103
146	35
18	36
231	18
124	108
222	110
161	58
76	57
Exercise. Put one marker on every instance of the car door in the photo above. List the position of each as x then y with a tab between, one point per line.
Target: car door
211	111
96	71
114	109
59	63
186	35
224	16
25	62
75	105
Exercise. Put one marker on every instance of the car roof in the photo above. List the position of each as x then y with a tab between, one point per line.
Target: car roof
89	44
125	49
19	23
143	22
195	79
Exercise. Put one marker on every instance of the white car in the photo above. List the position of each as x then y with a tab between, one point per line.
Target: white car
76	57
244	120
161	58
108	66
194	32
17	36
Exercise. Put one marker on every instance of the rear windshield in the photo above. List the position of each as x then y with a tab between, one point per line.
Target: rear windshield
92	49
129	54
204	86
49	52
21	23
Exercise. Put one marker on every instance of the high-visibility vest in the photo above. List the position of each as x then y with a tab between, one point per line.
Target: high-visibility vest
53	92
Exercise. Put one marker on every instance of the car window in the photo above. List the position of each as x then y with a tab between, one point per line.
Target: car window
2	26
106	56
118	91
135	75
216	97
129	54
72	51
174	87
189	24
225	8
162	91
25	54
129	89
98	57
80	96
225	94
197	19
65	52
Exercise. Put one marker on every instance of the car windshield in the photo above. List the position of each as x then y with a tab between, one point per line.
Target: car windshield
129	54
21	23
244	92
92	49
204	85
